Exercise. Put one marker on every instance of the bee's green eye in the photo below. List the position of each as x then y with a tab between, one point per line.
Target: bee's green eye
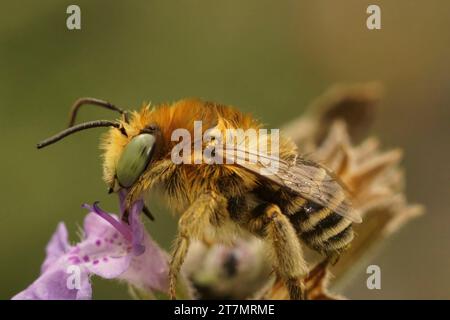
134	159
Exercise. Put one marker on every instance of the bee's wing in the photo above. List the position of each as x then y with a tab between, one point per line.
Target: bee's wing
307	178
316	183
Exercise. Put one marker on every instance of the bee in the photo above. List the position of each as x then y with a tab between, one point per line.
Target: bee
300	204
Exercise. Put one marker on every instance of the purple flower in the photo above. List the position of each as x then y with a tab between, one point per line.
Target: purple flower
110	249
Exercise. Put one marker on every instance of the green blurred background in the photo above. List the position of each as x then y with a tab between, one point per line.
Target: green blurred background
267	57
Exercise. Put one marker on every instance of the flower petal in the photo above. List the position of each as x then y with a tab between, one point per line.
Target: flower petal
120	226
59	278
58	284
111	249
122	197
105	251
56	247
149	271
137	228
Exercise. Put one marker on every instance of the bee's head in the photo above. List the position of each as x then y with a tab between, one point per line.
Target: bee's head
128	150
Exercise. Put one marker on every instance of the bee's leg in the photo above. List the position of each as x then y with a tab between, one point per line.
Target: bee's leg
333	257
148	213
207	210
286	249
160	171
112	186
180	250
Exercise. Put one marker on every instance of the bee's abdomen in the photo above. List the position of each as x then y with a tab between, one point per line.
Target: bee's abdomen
317	226
321	228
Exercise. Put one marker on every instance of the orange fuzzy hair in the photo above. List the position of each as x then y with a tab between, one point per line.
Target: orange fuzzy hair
181	114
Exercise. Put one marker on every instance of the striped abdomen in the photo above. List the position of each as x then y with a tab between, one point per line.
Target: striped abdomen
318	227
321	228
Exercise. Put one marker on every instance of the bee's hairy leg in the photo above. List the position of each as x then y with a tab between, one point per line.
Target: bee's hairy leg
286	249
148	213
332	258
180	250
209	209
160	172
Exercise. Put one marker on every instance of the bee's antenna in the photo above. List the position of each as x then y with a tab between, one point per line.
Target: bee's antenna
80	127
93	101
